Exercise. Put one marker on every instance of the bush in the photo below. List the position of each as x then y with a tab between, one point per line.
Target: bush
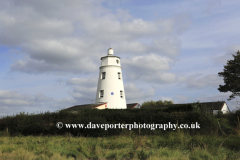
45	123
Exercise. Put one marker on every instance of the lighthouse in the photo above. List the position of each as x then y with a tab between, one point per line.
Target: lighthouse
110	87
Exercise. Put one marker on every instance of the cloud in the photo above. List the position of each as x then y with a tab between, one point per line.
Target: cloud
166	98
66	39
150	68
16	102
87	82
13	98
13	101
229	50
55	56
181	99
222	59
134	94
84	65
206	81
84	95
63	103
71	37
160	78
83	89
148	63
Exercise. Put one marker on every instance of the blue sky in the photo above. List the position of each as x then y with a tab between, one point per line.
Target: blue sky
170	50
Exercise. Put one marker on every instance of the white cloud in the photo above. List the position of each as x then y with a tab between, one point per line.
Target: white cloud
79	65
64	103
181	79
63	39
87	82
181	99
229	50
68	37
166	98
83	89
148	63
160	77
13	101
150	68
232	48
134	94
206	81
16	102
6	19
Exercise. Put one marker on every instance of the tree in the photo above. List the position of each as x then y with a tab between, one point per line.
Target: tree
157	103
231	77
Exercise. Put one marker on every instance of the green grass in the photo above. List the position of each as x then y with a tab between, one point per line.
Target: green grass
172	146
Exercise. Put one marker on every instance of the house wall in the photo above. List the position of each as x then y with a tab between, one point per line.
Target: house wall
103	106
225	109
137	106
215	111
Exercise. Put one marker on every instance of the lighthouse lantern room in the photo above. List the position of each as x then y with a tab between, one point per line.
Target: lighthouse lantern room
110	87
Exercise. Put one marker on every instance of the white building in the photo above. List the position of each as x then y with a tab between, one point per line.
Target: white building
78	108
110	88
212	107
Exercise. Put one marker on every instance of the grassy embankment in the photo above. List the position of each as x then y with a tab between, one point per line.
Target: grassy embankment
171	146
218	138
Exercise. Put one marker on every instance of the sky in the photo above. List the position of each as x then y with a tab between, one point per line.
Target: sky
170	50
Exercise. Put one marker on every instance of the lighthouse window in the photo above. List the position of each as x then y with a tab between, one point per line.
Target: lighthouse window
101	93
119	75
117	61
103	75
121	94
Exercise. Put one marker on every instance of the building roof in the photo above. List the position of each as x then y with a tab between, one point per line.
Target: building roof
83	106
210	105
214	105
131	106
110	56
89	106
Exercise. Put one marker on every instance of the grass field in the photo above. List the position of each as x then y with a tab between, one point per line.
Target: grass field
172	146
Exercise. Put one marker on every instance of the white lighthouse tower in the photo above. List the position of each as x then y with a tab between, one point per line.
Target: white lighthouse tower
110	88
